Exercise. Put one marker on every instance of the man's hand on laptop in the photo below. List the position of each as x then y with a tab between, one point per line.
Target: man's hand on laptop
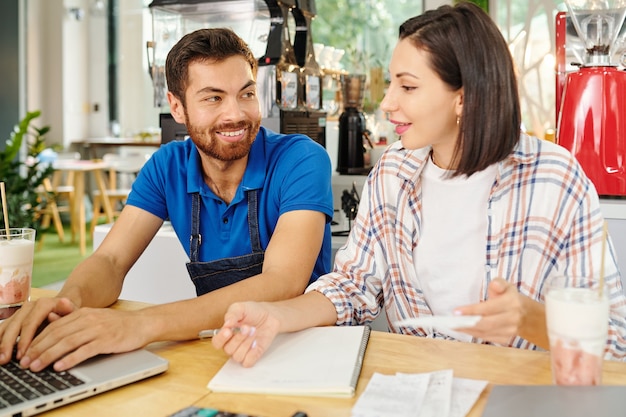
70	339
22	327
46	333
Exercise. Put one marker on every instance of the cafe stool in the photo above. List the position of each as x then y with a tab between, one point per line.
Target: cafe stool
117	192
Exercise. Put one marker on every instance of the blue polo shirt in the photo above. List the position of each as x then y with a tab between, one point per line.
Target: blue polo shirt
290	172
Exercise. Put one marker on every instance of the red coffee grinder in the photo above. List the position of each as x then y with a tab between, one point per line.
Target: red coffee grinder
591	101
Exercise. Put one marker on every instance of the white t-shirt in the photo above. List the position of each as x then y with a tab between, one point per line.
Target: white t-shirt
450	256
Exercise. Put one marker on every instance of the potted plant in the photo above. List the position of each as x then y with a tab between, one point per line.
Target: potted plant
23	177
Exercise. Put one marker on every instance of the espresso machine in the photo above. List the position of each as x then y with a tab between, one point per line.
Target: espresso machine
591	99
264	26
352	131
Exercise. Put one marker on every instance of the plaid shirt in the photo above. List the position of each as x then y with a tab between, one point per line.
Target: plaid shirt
544	219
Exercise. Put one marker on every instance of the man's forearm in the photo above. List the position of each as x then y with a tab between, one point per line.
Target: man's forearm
93	283
164	321
182	320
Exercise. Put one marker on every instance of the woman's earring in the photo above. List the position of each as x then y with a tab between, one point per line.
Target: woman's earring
458	119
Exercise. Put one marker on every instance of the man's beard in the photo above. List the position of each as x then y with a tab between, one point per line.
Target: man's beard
207	142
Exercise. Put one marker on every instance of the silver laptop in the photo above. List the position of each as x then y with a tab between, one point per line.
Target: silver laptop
25	393
555	401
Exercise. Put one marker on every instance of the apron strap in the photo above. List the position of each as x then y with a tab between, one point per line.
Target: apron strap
253	221
195	239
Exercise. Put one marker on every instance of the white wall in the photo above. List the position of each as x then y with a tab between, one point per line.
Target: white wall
98	92
44	71
58	61
75	79
67	68
136	111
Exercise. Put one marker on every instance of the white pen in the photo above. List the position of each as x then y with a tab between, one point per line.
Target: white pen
206	334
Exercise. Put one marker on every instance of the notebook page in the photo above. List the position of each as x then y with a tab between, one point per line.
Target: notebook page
320	361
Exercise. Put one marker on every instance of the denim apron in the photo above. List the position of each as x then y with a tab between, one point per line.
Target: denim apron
209	276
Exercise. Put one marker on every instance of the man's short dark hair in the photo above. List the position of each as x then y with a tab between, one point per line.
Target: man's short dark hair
212	45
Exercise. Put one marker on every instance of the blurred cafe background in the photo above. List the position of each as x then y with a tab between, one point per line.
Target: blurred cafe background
95	70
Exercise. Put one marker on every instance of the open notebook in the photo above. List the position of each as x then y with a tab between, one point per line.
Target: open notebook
25	393
320	361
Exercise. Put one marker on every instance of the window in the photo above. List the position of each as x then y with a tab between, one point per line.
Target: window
366	29
528	27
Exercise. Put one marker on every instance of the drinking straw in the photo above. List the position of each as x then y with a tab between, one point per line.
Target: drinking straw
604	234
5	210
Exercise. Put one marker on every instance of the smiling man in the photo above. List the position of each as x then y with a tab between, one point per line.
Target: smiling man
251	207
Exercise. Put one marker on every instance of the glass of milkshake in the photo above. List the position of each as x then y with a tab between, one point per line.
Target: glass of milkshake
17	249
577	315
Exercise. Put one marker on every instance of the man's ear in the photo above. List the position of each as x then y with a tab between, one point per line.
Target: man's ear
176	108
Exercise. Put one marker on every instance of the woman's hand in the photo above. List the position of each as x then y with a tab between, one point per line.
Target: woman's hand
249	329
506	314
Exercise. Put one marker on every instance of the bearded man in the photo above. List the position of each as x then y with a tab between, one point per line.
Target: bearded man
251	207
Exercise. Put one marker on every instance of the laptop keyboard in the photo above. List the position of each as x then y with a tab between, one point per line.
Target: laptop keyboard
18	385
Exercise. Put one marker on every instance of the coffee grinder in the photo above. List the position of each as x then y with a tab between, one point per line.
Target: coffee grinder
351	152
591	101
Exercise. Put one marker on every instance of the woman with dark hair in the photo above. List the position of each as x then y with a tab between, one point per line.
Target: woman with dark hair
465	215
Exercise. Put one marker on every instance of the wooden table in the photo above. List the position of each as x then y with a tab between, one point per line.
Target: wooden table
91	145
77	205
193	364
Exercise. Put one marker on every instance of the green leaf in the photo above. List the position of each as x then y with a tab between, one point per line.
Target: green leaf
24	201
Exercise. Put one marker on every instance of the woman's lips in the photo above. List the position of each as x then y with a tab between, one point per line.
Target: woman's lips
402	127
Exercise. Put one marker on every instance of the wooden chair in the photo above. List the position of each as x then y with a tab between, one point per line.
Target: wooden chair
51	211
122	172
55	190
